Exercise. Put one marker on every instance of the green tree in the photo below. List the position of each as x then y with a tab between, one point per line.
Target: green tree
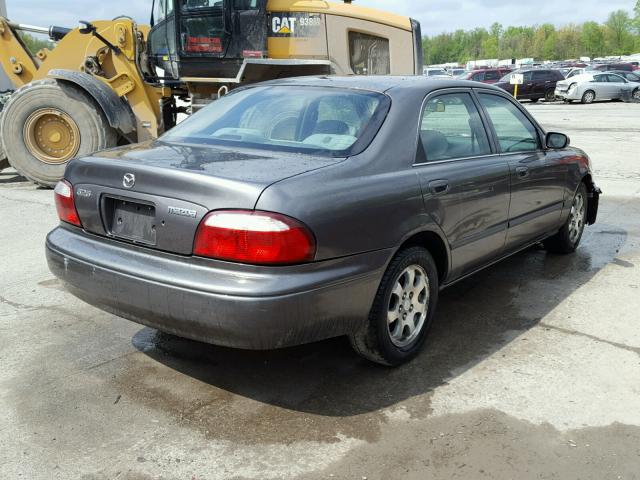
618	33
593	44
35	44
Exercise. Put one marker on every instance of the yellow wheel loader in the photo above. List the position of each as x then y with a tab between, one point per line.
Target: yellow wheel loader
112	82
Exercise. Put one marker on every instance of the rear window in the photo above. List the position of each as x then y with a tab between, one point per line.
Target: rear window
315	120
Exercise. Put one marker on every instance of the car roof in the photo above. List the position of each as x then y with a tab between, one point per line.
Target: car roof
381	84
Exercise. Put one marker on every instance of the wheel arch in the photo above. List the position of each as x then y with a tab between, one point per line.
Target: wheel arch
117	112
593	198
436	246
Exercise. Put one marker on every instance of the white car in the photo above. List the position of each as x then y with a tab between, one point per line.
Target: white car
436	73
590	87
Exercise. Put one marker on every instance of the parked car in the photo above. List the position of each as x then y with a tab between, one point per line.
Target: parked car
455	72
605	67
301	209
538	83
630	76
436	72
590	87
575	71
489	75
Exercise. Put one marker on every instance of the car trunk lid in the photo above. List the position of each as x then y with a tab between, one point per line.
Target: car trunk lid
156	194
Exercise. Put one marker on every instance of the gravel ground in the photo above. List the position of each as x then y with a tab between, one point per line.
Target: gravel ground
532	369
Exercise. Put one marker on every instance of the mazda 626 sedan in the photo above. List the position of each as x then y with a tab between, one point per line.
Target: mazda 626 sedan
302	209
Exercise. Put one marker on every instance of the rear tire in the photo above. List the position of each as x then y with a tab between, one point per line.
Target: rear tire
402	310
569	236
46	123
549	96
588	97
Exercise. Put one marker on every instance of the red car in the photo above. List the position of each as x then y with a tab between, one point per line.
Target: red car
485	75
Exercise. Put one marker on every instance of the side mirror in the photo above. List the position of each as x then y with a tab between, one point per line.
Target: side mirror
557	141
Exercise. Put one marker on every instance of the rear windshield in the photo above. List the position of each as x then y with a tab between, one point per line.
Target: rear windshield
315	120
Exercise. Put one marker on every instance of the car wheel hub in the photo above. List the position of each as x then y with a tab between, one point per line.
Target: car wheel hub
576	220
51	136
408	306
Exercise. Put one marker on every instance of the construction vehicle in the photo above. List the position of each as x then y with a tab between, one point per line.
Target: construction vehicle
113	82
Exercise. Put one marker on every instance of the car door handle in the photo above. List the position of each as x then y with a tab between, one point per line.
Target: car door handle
438	187
522	172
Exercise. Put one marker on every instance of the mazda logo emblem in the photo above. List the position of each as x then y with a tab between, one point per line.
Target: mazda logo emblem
129	180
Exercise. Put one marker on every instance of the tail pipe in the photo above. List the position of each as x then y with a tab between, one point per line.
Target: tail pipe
55	33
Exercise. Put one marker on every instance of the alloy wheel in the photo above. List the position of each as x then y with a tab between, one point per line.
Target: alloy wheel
408	306
576	219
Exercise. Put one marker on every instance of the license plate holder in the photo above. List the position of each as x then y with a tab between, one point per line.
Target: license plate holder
131	220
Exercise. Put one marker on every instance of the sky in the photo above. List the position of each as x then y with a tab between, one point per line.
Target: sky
436	16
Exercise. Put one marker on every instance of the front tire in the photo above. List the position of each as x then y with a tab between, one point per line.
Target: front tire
569	236
47	123
636	95
534	100
402	310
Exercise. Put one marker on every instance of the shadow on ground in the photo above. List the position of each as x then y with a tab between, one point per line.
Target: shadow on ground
476	318
11	176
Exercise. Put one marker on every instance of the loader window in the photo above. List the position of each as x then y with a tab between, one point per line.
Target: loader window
188	5
162	9
369	54
203	35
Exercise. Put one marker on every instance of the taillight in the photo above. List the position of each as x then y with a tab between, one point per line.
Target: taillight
259	238
65	203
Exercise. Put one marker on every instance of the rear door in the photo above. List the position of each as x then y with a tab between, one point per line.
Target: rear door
537	178
526	89
602	87
616	85
542	80
465	184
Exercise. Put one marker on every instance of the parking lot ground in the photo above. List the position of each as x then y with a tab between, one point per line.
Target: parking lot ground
532	369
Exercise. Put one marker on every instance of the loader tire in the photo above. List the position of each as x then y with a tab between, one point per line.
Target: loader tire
46	123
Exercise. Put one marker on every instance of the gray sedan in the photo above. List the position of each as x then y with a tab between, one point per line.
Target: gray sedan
590	87
302	209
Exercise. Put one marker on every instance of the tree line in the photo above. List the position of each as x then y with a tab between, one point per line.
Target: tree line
619	35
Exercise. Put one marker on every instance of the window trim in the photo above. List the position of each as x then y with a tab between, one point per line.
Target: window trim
483	119
540	133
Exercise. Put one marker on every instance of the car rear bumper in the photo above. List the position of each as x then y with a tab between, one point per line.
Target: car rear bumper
217	302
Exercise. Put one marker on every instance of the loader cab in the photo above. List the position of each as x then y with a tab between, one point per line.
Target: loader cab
206	38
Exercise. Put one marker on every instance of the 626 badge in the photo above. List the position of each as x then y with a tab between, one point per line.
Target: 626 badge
298	25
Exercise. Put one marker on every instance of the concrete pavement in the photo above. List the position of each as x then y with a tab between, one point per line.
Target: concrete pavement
532	369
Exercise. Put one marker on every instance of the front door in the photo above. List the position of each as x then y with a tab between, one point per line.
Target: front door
465	185
537	177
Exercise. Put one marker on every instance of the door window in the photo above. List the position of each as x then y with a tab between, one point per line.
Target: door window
514	130
491	75
600	78
369	55
615	79
451	128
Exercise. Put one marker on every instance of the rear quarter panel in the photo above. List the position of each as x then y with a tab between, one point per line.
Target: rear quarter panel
368	202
